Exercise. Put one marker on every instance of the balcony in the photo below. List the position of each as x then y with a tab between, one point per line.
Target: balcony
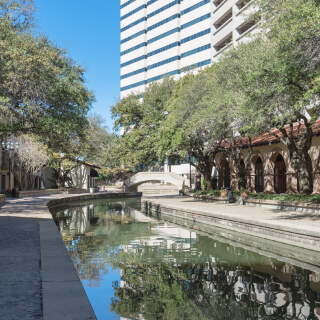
221	45
223	20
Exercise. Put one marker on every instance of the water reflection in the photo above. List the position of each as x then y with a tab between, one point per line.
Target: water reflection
168	272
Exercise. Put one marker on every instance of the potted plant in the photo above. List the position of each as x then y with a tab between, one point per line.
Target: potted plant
224	193
244	193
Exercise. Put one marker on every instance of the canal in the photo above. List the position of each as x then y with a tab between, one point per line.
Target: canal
134	266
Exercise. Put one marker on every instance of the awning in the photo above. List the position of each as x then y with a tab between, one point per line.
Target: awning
94	173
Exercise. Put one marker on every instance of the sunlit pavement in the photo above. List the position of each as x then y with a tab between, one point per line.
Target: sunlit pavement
37	277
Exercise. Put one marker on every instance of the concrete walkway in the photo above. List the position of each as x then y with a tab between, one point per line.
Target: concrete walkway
37	276
298	220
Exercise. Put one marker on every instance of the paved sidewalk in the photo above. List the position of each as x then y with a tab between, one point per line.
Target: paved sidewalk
23	265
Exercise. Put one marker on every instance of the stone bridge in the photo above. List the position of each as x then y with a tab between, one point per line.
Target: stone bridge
144	177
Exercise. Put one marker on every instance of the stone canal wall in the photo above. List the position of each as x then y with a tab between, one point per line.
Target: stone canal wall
287	232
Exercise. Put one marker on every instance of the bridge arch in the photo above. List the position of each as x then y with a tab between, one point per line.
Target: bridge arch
143	177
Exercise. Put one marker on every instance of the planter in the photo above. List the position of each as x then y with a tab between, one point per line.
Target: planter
224	193
244	194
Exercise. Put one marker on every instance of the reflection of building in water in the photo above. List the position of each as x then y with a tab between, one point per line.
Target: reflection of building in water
76	220
166	238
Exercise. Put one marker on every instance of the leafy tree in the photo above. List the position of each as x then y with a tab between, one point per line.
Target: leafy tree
42	90
28	158
140	120
278	73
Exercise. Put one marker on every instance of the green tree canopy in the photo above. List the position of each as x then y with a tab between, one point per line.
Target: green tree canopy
42	90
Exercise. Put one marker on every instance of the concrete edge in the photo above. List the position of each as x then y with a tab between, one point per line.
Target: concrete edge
274	204
301	257
293	236
63	296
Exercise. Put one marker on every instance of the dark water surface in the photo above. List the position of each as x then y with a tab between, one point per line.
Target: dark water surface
136	267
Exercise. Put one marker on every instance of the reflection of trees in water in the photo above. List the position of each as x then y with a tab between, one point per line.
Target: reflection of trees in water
212	290
91	235
202	279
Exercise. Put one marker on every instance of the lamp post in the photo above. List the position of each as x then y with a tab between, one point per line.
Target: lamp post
10	146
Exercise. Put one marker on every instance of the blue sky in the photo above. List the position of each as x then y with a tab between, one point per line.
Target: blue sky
90	30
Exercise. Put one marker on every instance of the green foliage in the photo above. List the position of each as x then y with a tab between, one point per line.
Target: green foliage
42	90
140	121
287	197
279	197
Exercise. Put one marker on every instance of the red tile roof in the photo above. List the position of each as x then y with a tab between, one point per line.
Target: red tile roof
267	138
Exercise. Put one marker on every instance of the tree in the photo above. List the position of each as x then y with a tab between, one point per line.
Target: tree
30	156
278	74
140	122
42	90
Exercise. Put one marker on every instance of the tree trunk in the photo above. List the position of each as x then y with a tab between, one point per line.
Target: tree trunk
242	173
299	155
301	163
198	180
207	177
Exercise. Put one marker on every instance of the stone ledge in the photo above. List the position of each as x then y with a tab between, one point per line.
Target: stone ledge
92	196
294	236
309	207
2	198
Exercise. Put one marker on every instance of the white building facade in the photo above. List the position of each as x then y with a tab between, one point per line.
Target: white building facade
171	37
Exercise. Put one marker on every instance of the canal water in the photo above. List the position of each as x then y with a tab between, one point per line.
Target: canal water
137	267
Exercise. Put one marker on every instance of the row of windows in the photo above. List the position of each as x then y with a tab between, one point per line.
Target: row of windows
133	73
143	44
189	53
133	12
160	23
198	5
151	2
191	23
170	19
127	3
161	63
169	5
196	65
169	46
195	36
158	64
134	85
161	36
184	40
172	73
133	61
144	31
133	24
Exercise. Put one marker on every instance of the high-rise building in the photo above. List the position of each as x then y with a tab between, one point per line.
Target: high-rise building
170	37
